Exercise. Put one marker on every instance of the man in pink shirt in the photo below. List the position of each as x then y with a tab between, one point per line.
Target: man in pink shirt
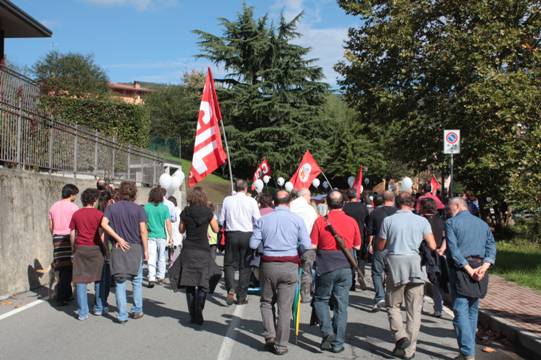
427	194
59	226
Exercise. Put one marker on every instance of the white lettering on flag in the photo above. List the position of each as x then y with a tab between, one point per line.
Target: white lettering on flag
198	162
203	136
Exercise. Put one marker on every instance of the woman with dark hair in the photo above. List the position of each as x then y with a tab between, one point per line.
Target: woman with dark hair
434	260
158	221
265	204
103	287
196	265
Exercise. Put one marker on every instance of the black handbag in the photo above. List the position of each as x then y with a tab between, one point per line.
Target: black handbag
468	287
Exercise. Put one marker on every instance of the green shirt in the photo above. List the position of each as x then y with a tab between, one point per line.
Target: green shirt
156	217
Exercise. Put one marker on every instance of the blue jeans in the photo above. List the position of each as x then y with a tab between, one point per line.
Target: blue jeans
121	299
102	289
378	269
82	300
335	285
466	311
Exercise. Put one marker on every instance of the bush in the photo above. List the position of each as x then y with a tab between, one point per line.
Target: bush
128	123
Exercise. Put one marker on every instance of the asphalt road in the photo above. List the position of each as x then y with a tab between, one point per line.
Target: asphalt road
45	332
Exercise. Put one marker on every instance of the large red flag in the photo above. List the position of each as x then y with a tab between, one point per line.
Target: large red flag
208	151
308	170
434	185
358	184
262	170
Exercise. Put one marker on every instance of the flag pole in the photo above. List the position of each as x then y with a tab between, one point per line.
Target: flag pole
328	182
228	157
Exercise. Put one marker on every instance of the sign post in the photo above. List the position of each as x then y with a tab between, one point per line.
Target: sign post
451	145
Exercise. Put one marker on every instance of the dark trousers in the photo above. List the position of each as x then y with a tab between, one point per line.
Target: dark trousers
196	303
237	257
64	292
333	286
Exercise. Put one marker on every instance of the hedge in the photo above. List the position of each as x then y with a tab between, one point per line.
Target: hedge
128	123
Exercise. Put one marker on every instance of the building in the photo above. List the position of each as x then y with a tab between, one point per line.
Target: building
130	93
15	23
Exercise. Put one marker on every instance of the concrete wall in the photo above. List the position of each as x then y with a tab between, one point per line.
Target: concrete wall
25	241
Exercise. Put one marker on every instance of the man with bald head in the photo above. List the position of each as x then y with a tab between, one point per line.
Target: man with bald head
471	250
334	271
280	234
301	206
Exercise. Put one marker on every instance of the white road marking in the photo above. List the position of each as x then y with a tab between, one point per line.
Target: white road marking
22	308
229	342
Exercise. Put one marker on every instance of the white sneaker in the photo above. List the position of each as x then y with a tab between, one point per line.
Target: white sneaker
379	306
464	357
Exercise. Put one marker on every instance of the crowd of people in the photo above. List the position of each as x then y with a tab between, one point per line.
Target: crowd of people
287	244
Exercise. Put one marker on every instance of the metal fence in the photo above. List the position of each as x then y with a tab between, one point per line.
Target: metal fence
31	140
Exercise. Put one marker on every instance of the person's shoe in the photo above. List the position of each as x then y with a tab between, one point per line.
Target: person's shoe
352	288
230	300
437	314
121	322
465	357
160	281
151	284
82	318
279	350
379	306
242	301
326	343
409	357
137	315
337	350
269	343
400	347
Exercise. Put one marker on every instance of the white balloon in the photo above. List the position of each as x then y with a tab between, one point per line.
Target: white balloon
316	183
489	199
266	179
325	184
165	181
289	186
259	185
180	174
351	181
175	185
406	184
281	181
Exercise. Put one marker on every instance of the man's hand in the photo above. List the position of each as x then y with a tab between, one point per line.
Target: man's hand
122	244
440	252
481	271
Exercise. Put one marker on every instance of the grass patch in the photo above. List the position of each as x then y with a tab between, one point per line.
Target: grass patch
215	186
519	261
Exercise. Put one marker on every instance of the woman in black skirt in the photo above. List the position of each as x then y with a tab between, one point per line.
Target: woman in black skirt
196	263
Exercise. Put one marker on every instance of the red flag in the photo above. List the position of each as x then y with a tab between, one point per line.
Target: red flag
358	184
208	151
434	185
308	170
262	170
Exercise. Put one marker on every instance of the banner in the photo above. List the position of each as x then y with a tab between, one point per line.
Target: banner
358	184
434	185
262	170
208	151
308	170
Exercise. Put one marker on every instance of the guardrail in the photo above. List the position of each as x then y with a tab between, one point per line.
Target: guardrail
31	140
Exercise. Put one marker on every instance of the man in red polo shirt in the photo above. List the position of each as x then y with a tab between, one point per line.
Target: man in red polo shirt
333	271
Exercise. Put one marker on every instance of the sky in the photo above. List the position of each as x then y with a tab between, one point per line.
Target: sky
152	40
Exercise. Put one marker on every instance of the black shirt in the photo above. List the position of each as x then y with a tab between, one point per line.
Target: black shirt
438	228
358	211
376	218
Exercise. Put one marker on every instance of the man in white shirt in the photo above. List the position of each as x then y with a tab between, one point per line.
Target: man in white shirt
170	206
301	206
238	215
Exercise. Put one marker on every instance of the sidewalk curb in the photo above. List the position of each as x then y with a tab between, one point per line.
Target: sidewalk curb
526	342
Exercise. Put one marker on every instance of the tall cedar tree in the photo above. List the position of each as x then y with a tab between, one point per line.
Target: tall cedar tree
415	68
271	96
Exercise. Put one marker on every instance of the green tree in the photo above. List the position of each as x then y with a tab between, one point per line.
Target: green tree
415	68
173	113
272	95
70	74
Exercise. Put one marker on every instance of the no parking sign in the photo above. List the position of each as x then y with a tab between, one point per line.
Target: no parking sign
451	141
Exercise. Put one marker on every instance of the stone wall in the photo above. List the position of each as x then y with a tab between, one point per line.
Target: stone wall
25	241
